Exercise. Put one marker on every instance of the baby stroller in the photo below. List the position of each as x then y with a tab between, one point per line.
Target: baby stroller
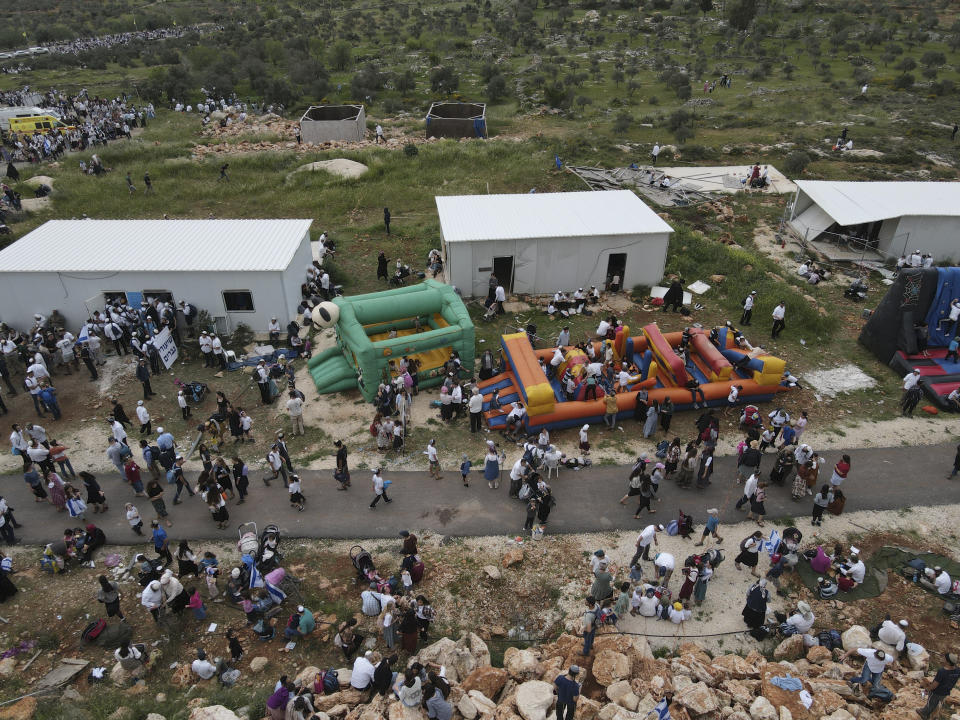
249	542
193	391
783	468
367	572
684	525
268	549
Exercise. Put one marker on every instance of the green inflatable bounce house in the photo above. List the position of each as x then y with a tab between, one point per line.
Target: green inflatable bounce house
430	321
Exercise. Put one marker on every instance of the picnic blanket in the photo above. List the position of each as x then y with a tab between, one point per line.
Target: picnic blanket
888	557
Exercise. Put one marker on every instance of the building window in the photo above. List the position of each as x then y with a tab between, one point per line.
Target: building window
238	300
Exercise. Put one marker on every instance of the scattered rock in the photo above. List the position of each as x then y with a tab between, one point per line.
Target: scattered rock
492	572
341	167
460	658
790	649
467	708
8	666
121	713
307	675
399	711
71	694
182	676
258	664
155	716
21	710
610	666
521	664
856	636
488	680
534	698
512	556
213	712
698	699
819	655
484	705
160	698
918	661
760	709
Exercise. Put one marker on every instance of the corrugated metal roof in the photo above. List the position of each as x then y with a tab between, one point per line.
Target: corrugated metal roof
852	203
467	218
155	246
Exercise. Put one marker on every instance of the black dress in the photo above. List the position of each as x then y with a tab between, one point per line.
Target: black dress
755	610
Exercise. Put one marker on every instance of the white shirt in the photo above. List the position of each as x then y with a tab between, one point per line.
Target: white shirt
750	487
17	441
602	328
748	303
295	407
274	326
217	346
801	623
648	606
476	403
362	674
377	487
778	312
623	378
665	560
875	664
206	344
500	295
118	432
891	633
857	571
181	400
204	668
646	535
143	415
678	616
432	453
942	581
656	150
955	310
910	381
273	457
733	395
379	130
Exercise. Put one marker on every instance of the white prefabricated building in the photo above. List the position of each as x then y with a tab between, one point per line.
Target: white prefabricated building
538	243
890	218
333	123
239	271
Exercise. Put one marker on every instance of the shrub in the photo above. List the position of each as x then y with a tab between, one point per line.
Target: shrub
410	150
796	162
904	82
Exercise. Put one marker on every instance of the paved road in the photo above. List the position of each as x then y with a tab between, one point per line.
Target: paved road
881	479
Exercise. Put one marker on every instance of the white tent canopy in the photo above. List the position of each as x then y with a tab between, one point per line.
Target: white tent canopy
852	203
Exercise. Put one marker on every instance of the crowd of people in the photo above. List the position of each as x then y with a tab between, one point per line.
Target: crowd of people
132	37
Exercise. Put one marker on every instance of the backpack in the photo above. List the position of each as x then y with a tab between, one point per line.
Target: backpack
330	682
691	560
662	448
171	476
524	492
416	572
93	630
154	453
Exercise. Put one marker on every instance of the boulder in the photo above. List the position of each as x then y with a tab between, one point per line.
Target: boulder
121	713
856	636
839	714
819	655
399	711
587	709
154	716
778	697
620	692
741	691
888	649
488	680
492	572
512	556
790	649
610	666
521	664
467	708
182	677
8	666
918	661
306	676
484	705
258	664
71	694
213	712
785	714
761	709
534	699
697	699
734	666
22	710
550	668
460	658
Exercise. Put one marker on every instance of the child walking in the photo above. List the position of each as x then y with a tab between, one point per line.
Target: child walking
465	471
133	517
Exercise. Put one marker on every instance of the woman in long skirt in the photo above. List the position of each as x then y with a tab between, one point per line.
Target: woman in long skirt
650	426
689	582
755	610
409	630
700	589
217	507
186	561
491	466
95	496
58	496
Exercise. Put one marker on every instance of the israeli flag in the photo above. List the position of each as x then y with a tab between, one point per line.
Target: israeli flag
276	594
662	710
255	579
772	543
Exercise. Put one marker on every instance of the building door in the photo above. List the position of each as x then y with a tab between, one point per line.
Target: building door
503	269
616	266
97	303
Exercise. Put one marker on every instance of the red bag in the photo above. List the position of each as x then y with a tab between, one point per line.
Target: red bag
93	630
416	572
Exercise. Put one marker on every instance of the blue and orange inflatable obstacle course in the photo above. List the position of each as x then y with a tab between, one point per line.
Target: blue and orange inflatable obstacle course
920	295
714	364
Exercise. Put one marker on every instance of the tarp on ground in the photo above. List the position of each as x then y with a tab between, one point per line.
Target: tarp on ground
888	557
